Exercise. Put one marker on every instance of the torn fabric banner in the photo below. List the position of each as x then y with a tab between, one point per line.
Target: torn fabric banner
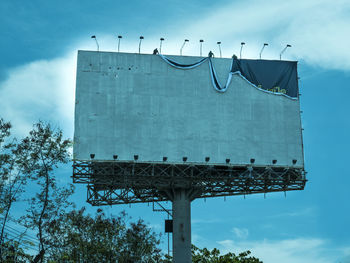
275	76
182	66
272	76
213	75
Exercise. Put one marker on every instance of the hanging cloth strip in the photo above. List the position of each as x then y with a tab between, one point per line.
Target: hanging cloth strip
213	75
214	78
182	66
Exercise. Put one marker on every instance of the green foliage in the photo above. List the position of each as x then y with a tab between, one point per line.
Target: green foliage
14	253
206	256
77	237
34	158
12	179
6	160
41	152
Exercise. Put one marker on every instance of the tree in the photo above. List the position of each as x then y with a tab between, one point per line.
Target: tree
12	180
41	152
13	252
79	237
206	256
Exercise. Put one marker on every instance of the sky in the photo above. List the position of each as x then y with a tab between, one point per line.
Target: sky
38	54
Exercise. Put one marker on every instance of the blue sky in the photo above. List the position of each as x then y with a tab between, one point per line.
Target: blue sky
38	51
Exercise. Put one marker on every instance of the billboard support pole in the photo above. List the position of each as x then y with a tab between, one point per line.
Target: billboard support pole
181	226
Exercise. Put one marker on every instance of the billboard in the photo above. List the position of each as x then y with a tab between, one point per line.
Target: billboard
142	104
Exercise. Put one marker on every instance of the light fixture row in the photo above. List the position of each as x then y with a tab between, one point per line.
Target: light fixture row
185	158
201	41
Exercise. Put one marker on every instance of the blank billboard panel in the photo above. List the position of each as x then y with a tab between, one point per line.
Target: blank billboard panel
137	104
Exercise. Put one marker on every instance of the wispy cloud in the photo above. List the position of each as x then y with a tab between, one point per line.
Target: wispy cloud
240	233
301	250
207	221
304	212
156	227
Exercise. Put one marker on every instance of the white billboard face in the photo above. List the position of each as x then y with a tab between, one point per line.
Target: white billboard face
132	104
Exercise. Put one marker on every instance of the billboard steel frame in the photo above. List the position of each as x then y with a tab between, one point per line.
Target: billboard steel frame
118	182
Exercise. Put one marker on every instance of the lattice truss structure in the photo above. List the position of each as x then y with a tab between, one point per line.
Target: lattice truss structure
117	182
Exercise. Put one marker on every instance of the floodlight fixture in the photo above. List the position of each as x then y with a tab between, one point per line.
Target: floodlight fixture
219	44
186	40
160	45
165	158
184	158
228	160
92	155
265	44
294	161
98	46
287	46
141	38
252	160
136	157
207	159
119	38
201	44
274	161
115	157
240	53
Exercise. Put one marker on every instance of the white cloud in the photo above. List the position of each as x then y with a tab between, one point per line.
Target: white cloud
301	250
316	29
40	90
241	233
